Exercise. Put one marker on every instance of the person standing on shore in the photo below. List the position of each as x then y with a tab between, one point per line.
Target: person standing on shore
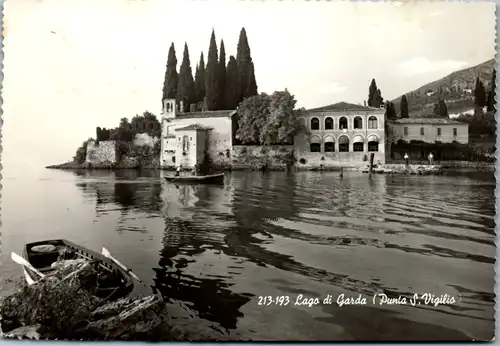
430	157
407	159
178	171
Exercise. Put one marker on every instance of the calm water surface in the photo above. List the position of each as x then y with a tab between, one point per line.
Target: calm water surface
212	251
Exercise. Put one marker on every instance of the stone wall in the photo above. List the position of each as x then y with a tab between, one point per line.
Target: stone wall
332	160
101	152
254	156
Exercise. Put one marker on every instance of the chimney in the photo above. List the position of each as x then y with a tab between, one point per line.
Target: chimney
192	107
364	102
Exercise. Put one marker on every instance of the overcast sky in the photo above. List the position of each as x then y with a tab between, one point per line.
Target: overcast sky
72	65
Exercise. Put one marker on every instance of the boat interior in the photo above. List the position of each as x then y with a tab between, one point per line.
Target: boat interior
41	255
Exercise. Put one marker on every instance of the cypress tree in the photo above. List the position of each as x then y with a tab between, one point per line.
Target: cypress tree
171	77
390	111
211	78
440	109
492	93
252	84
199	80
375	98
404	107
222	76
479	94
232	92
379	101
185	87
244	59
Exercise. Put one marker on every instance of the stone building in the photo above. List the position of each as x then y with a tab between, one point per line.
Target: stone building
342	134
185	136
429	130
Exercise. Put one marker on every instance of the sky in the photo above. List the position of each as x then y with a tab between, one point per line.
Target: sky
73	65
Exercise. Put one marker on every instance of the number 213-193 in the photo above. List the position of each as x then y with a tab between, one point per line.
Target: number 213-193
277	300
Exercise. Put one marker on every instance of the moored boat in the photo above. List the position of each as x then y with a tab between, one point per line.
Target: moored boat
197	179
113	281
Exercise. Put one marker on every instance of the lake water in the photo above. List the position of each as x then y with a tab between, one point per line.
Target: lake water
213	251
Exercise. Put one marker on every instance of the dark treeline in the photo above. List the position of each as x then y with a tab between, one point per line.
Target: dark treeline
127	130
216	85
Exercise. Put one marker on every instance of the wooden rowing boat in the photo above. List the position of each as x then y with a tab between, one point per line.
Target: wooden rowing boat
197	179
114	282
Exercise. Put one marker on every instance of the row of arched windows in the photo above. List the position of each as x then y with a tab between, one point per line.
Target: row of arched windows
343	144
344	123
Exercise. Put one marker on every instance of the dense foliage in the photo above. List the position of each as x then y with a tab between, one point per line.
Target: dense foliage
216	86
480	124
479	94
390	111
126	131
81	152
269	119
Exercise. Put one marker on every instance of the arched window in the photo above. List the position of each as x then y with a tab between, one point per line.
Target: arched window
343	123
373	143
328	123
314	124
315	145
329	144
357	143
372	122
358	123
343	144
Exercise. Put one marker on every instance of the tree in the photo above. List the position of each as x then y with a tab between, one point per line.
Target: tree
221	74
211	78
253	113
185	87
479	94
440	109
269	119
252	84
244	59
404	107
375	98
283	122
232	91
491	95
170	82
390	111
199	80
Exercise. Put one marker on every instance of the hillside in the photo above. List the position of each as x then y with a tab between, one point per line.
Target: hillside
457	89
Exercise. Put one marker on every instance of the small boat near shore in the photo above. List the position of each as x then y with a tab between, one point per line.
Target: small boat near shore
111	282
197	179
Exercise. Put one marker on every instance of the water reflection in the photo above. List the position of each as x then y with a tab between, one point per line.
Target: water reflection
314	234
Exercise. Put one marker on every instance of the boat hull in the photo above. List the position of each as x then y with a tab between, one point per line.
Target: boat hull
193	179
123	290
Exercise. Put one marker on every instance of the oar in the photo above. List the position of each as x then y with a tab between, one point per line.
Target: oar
107	254
19	260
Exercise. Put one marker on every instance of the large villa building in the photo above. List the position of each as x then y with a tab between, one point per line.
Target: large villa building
341	134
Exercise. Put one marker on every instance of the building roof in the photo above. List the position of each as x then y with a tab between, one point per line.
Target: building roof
206	114
436	121
343	106
193	127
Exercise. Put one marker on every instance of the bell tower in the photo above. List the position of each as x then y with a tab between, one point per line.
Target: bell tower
169	109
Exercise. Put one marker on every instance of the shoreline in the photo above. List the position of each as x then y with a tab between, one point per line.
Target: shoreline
397	168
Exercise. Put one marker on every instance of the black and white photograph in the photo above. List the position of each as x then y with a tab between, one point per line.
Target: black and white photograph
222	170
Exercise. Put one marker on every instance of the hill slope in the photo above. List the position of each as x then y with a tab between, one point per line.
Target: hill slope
457	89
